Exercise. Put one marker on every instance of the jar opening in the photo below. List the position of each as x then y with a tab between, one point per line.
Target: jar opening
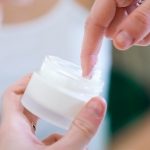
68	75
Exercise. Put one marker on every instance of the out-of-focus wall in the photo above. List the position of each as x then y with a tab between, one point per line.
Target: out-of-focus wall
130	96
136	63
135	137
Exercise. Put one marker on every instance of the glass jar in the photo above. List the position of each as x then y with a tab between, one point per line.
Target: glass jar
57	92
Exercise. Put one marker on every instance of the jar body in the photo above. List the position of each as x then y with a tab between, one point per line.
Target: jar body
49	103
58	92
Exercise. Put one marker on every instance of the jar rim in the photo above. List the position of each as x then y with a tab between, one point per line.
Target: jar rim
69	76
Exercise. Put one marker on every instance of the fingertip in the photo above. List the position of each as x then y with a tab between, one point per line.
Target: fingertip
118	46
25	79
88	62
100	103
28	76
84	65
94	111
87	74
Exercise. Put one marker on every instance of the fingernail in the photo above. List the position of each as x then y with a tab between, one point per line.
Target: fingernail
123	40
87	72
87	75
95	107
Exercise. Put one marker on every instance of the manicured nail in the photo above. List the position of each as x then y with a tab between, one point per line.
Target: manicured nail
123	40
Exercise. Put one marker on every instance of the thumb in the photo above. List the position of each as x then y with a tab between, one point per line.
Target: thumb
85	125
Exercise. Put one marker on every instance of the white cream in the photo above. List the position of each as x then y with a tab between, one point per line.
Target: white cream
58	91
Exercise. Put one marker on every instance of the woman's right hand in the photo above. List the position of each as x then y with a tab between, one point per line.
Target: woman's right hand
122	21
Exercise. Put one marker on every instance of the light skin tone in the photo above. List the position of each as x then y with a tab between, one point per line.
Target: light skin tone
17	132
120	20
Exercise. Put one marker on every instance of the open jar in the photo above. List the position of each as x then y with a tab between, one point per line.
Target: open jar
57	92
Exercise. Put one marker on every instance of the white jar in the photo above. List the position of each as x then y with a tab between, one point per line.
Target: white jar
58	91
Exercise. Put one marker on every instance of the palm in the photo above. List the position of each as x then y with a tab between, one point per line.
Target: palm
17	123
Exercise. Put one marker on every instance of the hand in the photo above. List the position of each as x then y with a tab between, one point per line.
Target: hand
17	132
121	20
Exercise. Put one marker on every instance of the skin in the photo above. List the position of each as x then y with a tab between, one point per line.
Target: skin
120	20
16	131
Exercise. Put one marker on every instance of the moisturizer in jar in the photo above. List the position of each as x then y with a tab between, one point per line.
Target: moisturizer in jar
57	92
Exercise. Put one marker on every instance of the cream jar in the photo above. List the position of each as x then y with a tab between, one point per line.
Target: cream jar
57	92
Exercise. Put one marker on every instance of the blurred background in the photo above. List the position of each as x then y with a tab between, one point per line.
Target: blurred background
32	29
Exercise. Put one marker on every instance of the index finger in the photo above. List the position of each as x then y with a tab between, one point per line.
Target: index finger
12	96
102	13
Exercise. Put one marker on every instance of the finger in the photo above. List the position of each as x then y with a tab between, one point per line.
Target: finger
119	17
19	86
84	126
86	123
12	97
13	112
132	7
99	19
52	139
134	28
145	41
31	118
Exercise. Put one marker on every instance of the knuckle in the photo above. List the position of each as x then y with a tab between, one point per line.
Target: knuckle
88	22
84	127
92	22
143	19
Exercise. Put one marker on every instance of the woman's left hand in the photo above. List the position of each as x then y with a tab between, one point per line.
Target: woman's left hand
17	130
